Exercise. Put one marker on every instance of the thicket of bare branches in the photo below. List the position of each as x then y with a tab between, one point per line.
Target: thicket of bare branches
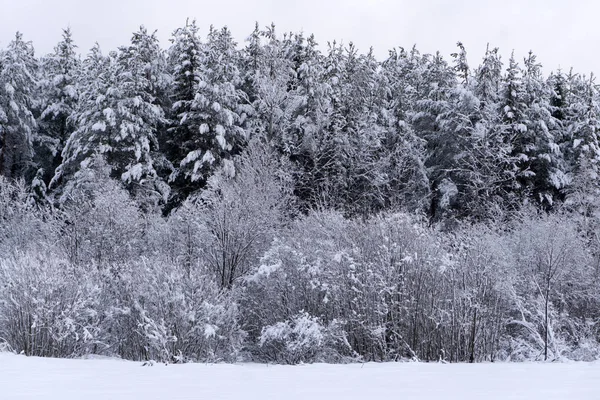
235	274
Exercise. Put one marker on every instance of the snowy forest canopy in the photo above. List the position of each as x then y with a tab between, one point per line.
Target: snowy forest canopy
274	202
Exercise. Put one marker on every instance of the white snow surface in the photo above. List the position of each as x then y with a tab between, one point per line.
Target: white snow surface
93	379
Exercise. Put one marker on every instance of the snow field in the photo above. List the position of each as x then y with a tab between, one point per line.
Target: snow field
24	378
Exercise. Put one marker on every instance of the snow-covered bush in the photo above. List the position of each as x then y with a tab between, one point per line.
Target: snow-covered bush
23	225
363	275
587	349
161	311
301	339
102	224
551	288
240	214
47	307
199	319
232	276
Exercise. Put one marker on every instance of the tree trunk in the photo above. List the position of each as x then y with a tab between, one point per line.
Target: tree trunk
473	332
546	325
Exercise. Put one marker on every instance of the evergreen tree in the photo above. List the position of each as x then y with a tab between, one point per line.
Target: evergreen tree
185	58
487	86
492	149
60	90
582	147
303	133
216	108
141	78
250	64
513	130
442	145
365	180
93	116
403	151
18	128
539	145
270	75
119	116
461	66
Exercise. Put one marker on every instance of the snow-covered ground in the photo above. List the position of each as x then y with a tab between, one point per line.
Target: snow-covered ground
51	379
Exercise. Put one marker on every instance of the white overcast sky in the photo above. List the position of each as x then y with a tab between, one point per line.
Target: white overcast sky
563	33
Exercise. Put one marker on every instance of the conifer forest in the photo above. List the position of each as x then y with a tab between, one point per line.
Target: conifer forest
280	200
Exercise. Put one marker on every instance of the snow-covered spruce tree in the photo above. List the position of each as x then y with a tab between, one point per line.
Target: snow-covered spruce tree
468	154
539	145
141	78
581	147
301	131
461	65
310	88
456	162
495	163
59	84
214	112
403	152
488	79
362	181
18	128
533	133
287	90
97	78
250	60
119	116
185	57
513	110
269	73
581	150
253	67
439	81
335	140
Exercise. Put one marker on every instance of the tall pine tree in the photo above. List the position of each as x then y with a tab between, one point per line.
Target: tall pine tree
18	128
60	88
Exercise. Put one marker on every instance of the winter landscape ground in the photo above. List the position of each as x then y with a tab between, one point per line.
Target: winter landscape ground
65	379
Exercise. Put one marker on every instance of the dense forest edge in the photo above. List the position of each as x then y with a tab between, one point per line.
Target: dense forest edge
274	202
